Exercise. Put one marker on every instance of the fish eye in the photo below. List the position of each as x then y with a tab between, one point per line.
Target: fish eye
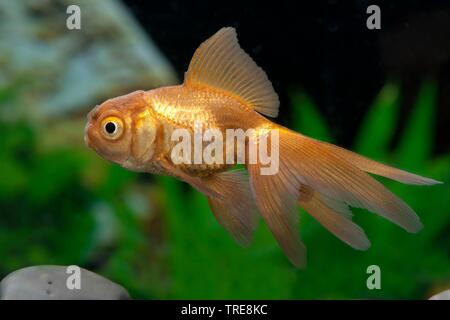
112	127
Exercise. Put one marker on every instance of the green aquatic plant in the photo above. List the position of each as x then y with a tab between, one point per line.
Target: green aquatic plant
44	210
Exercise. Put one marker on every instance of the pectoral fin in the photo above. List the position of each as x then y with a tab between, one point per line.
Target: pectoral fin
195	182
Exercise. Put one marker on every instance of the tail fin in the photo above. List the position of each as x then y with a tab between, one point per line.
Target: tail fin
334	216
377	168
337	180
276	197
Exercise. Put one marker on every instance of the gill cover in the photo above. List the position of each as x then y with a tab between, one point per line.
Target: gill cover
144	136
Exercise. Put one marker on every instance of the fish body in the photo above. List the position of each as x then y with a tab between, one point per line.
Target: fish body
225	90
189	107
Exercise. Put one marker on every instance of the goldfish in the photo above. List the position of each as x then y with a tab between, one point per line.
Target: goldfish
224	89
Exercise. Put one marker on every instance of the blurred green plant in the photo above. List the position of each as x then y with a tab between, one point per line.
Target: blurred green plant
43	218
65	205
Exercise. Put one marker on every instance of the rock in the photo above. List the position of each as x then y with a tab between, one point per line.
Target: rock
51	71
53	282
444	295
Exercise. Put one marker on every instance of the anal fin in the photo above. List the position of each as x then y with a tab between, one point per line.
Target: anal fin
235	210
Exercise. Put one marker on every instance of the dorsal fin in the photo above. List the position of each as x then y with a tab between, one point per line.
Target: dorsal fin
219	62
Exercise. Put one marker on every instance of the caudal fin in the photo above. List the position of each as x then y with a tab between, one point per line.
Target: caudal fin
334	216
334	179
276	197
377	168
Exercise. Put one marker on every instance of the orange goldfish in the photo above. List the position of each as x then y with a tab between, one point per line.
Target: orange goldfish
224	89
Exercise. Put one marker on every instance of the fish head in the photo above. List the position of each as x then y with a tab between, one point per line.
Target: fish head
122	130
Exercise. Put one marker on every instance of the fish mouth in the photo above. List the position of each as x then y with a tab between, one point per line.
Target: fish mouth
89	143
87	139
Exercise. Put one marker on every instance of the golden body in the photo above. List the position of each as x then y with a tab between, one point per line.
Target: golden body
224	89
181	107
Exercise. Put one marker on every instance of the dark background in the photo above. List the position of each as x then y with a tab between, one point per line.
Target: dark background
323	47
